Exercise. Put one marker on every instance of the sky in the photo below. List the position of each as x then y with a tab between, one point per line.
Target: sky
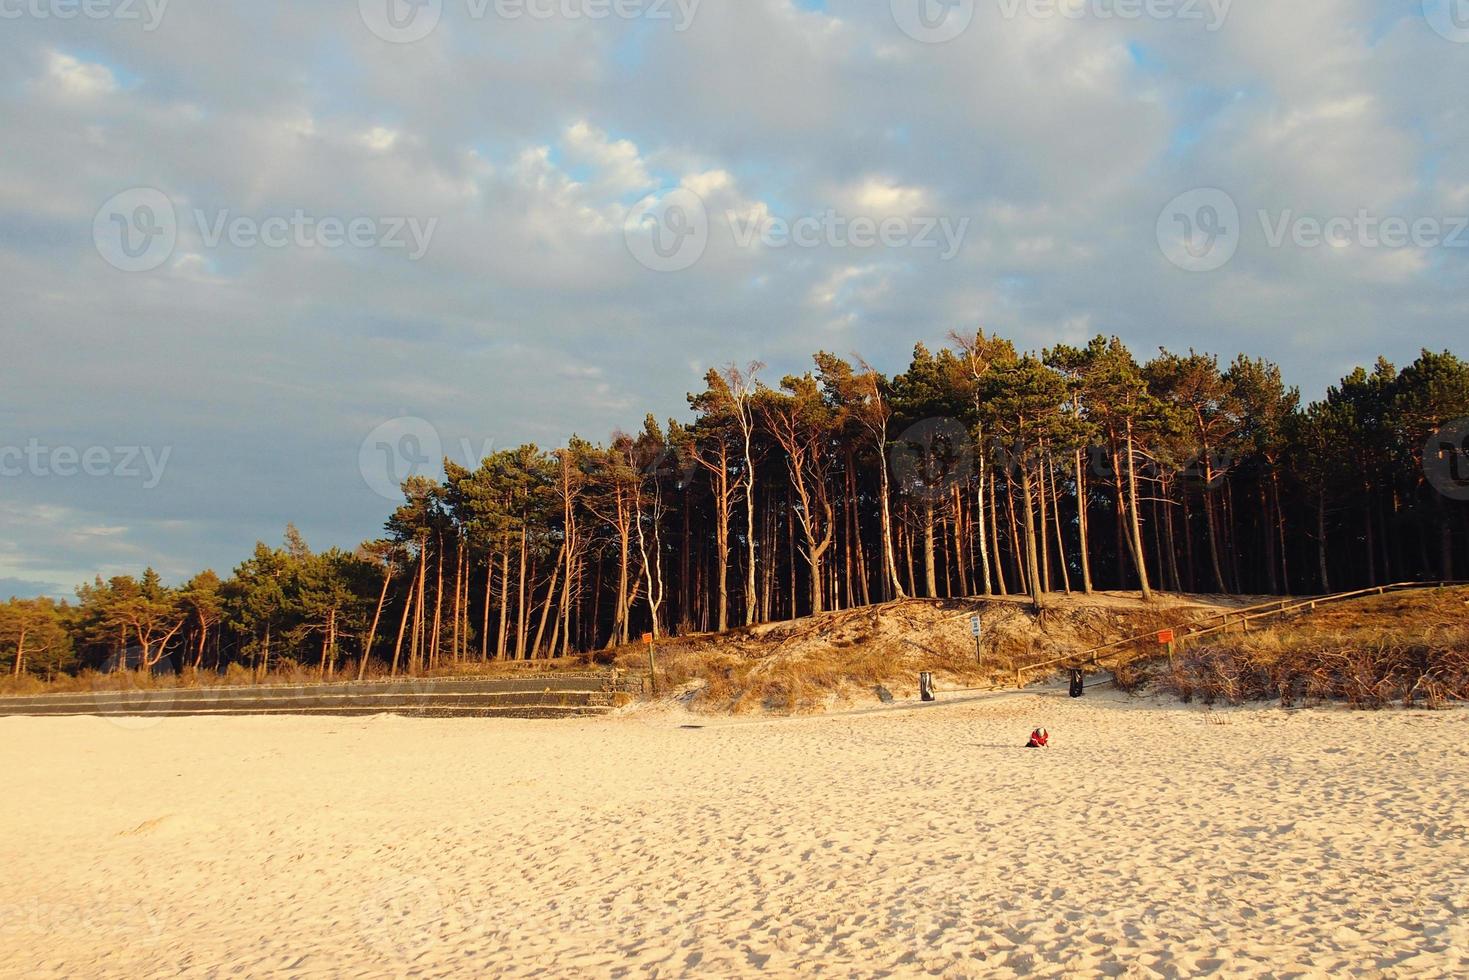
259	259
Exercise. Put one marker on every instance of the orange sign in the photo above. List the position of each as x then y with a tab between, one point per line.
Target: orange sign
1165	637
647	637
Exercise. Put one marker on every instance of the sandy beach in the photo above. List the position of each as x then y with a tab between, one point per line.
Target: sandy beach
1150	840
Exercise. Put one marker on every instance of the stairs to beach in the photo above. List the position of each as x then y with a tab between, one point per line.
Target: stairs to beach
523	696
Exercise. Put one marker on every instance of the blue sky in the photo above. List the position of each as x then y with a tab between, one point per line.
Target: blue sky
1059	141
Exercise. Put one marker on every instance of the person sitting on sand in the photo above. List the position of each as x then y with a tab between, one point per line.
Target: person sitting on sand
1039	739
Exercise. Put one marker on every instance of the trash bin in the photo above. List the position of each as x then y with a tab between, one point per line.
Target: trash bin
1078	682
925	686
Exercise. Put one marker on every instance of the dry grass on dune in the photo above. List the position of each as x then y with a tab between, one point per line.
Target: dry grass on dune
1408	648
810	664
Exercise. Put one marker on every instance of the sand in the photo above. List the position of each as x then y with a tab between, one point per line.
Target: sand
1150	840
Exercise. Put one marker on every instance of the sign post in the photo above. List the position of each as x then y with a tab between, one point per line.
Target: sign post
1168	638
976	626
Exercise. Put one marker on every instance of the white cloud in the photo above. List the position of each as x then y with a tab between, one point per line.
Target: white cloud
617	163
883	197
380	138
75	77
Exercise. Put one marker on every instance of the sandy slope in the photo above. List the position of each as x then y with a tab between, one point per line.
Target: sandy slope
1149	840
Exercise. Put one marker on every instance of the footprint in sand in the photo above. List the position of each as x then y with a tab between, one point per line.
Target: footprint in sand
168	821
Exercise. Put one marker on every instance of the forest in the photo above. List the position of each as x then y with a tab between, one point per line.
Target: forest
979	470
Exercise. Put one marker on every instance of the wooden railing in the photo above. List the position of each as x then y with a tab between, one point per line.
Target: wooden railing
1227	619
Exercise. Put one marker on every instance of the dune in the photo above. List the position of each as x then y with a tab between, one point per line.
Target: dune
1150	839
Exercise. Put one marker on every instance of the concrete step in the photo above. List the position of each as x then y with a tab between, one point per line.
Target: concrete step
547	695
160	701
246	695
333	711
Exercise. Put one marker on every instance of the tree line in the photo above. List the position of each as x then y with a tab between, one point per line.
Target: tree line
979	470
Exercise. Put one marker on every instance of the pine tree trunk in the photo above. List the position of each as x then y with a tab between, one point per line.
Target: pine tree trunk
502	645
484	633
535	650
685	597
929	579
1280	528
1157	522
1082	502
1172	541
981	521
620	625
721	549
767	594
889	549
943	539
863	576
325	650
520	611
1124	550
415	657
994	519
791	556
814	555
1210	527
750	528
402	628
458	582
906	543
958	503
1060	535
372	633
1139	556
1033	578
847	527
1045	521
568	594
1017	542
438	605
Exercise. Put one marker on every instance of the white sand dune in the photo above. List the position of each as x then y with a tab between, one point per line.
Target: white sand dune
1149	840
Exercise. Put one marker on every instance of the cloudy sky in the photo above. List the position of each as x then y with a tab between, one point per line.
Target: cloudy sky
253	252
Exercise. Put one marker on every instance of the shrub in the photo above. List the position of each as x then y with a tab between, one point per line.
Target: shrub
1366	669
